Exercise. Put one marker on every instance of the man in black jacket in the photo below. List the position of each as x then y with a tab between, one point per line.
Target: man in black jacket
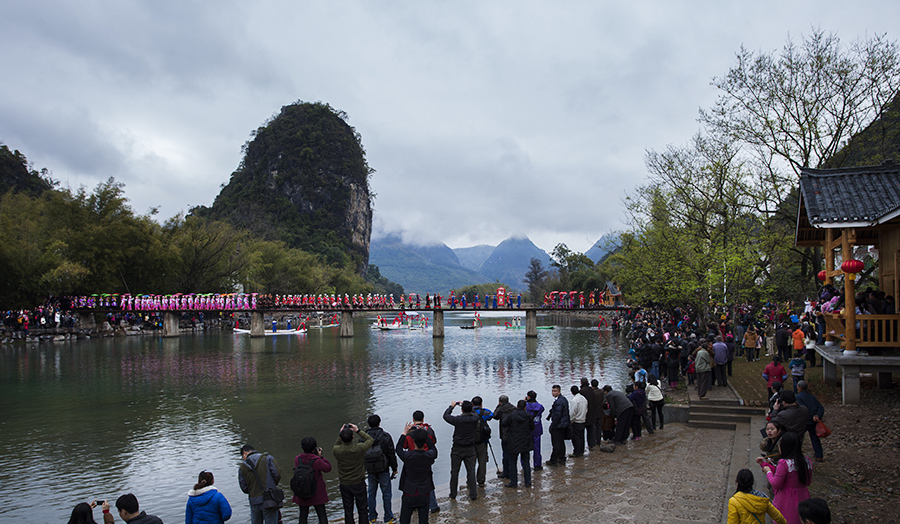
380	468
504	408
465	427
519	425
783	342
130	512
559	424
416	480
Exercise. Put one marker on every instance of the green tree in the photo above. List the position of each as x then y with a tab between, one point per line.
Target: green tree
204	256
536	278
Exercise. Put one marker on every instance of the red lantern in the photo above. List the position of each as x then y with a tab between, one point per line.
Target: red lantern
822	275
852	267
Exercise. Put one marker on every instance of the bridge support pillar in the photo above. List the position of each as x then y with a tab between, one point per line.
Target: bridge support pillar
256	325
346	323
86	320
170	324
437	327
530	323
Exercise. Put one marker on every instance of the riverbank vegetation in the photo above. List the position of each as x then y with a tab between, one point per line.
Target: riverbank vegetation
715	223
63	241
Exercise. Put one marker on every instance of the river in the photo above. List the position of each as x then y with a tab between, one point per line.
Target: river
94	419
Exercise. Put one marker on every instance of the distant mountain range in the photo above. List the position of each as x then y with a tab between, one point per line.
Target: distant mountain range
438	268
603	247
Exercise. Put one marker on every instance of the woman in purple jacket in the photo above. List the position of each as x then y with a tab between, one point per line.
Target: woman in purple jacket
312	455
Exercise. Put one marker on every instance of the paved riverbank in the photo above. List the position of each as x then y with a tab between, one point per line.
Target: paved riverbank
677	475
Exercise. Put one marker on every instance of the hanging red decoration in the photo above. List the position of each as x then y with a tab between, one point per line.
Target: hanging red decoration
822	275
852	267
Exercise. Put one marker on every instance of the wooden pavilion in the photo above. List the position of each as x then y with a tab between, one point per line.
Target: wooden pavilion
839	209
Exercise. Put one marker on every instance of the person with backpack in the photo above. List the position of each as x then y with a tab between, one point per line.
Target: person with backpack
379	459
482	439
254	468
418	420
350	457
308	483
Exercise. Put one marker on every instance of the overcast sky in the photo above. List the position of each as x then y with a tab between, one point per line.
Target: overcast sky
482	120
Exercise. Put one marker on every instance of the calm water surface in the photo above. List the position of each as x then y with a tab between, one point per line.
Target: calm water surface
98	418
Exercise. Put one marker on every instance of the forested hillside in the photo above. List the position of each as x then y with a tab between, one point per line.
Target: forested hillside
304	180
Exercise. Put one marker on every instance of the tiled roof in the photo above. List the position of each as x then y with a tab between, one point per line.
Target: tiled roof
613	288
850	195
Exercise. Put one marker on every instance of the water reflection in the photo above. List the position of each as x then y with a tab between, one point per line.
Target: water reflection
98	418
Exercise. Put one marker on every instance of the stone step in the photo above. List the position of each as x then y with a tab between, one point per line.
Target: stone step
724	418
727	409
730	426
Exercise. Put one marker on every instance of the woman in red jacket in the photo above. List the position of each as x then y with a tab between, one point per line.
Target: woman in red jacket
312	455
774	372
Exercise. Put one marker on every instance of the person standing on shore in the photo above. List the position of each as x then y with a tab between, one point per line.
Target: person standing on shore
350	457
503	409
416	479
536	410
519	426
465	428
312	458
559	424
482	439
255	484
578	408
623	410
205	504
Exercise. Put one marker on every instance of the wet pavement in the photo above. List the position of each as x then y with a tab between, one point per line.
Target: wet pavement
677	475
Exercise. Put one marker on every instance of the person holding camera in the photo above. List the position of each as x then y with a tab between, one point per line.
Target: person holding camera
416	480
350	455
465	434
312	457
83	513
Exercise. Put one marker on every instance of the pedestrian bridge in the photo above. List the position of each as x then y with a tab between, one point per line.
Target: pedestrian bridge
257	324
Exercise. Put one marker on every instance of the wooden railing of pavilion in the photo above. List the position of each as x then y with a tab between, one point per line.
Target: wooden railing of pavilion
881	331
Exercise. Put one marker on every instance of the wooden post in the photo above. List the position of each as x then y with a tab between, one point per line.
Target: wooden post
530	323
256	325
347	323
437	327
849	303
829	256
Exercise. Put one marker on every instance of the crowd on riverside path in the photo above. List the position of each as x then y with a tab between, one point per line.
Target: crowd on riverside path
675	347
